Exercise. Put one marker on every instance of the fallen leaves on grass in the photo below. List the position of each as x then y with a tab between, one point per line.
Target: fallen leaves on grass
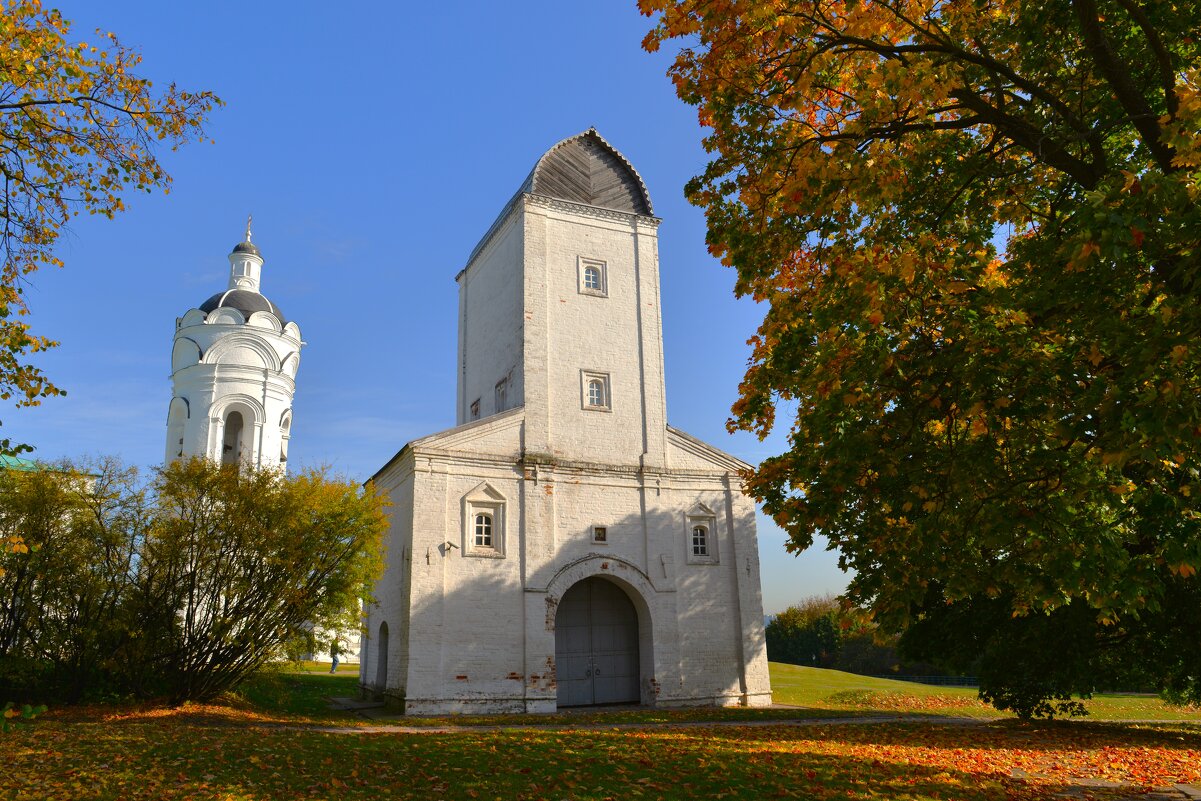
901	702
164	756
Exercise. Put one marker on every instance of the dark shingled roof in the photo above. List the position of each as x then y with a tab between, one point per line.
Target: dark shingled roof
247	247
244	301
586	169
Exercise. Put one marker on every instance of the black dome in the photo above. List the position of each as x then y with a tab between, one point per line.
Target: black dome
244	301
247	247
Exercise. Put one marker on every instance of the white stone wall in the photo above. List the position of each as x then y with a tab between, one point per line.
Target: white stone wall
618	334
490	324
480	635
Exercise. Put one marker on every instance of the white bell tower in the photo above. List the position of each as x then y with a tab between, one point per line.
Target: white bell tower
233	373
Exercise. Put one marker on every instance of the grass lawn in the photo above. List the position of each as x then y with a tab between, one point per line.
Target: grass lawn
239	751
835	690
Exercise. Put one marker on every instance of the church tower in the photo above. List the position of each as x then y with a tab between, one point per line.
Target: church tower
559	311
233	373
563	545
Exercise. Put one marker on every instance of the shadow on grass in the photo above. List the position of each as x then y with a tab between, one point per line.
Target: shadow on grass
269	697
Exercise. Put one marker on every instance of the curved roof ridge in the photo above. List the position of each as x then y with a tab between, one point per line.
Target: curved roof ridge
529	185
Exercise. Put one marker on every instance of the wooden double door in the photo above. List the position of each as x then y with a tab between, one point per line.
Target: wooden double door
596	645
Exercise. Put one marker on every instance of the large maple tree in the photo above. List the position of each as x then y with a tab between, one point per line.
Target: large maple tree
78	130
974	227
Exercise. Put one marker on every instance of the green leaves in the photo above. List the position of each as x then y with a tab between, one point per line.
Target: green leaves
183	587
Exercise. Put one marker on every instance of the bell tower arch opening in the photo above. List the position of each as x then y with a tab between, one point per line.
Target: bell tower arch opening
597	645
231	447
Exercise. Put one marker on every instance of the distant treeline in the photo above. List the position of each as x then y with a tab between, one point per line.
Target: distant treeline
819	632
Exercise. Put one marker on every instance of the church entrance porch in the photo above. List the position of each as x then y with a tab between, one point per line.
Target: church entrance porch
596	645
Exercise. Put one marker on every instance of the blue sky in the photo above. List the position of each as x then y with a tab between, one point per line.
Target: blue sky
374	144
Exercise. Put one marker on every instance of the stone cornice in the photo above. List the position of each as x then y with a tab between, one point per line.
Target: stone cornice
521	199
586	210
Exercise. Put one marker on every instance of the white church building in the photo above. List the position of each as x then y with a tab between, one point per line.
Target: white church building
562	545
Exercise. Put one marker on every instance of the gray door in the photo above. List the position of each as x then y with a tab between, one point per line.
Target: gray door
596	645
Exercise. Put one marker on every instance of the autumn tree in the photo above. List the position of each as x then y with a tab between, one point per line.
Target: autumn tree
238	562
974	227
78	130
179	587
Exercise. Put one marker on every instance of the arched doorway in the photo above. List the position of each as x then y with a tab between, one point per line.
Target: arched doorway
596	645
381	658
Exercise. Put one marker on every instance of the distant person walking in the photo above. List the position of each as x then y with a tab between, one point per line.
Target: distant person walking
335	650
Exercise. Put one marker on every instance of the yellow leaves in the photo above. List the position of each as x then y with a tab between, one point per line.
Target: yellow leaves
994	276
1124	488
1094	355
74	140
1131	183
1179	353
1082	257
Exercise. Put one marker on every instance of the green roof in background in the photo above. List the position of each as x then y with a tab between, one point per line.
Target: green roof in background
17	463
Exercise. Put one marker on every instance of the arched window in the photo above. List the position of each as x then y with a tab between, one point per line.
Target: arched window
177	419
483	530
231	445
596	392
285	434
381	658
592	277
700	541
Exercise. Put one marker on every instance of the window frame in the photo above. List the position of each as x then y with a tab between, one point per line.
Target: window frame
473	411
600	535
587	378
487	501
500	394
583	264
702	517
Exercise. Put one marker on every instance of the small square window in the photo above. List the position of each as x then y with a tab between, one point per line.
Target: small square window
600	534
594	391
593	277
